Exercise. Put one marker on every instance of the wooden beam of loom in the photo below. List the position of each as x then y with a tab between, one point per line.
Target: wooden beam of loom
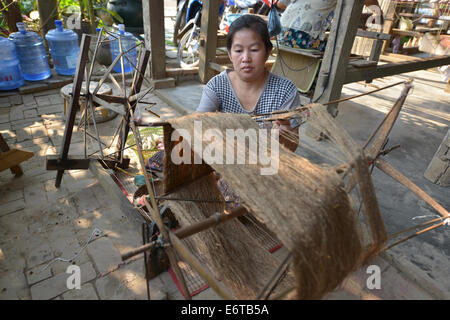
354	152
305	205
398	176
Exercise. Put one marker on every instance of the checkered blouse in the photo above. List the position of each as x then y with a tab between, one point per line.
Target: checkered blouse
218	95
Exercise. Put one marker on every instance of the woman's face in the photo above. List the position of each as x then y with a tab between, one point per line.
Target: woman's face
248	55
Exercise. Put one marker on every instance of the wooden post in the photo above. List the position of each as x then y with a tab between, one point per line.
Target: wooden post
48	13
389	19
375	53
12	14
153	15
334	65
438	170
208	39
74	104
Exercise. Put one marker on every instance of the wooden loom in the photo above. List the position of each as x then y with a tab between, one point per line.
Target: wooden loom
304	204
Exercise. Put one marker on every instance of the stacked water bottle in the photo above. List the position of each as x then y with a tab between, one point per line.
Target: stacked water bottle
128	43
24	58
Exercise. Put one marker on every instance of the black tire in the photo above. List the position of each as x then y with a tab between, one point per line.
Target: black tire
180	22
264	10
191	49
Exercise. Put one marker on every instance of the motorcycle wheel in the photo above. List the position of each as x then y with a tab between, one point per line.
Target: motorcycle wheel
188	53
180	22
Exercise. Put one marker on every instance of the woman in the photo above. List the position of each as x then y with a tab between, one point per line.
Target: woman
250	88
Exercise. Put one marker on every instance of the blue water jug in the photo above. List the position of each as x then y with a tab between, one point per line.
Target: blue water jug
128	42
63	45
10	74
31	53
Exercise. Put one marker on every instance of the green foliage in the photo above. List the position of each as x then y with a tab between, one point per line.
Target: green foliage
26	6
65	8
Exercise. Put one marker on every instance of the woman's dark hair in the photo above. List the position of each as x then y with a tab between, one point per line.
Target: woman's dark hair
252	22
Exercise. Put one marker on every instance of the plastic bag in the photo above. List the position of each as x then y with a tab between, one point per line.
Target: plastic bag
274	24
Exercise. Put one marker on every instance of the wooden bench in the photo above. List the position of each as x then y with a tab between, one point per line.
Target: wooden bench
11	158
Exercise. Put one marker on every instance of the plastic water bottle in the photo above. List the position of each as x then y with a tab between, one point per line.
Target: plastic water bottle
10	74
31	53
63	45
128	42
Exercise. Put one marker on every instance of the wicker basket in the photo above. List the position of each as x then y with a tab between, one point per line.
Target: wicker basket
149	137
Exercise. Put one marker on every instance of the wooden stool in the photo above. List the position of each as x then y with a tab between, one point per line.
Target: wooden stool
101	114
11	158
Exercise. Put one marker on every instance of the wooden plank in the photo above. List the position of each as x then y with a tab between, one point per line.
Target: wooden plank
409	33
376	50
332	72
208	39
71	163
153	17
12	158
53	162
355	75
175	72
305	52
372	34
389	19
382	132
395	57
219	68
416	15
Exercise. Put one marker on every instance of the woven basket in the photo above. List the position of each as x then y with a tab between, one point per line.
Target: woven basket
149	137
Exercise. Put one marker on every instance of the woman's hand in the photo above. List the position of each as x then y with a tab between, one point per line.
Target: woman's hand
285	125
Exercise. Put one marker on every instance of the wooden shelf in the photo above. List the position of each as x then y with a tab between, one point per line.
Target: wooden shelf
414	33
416	15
